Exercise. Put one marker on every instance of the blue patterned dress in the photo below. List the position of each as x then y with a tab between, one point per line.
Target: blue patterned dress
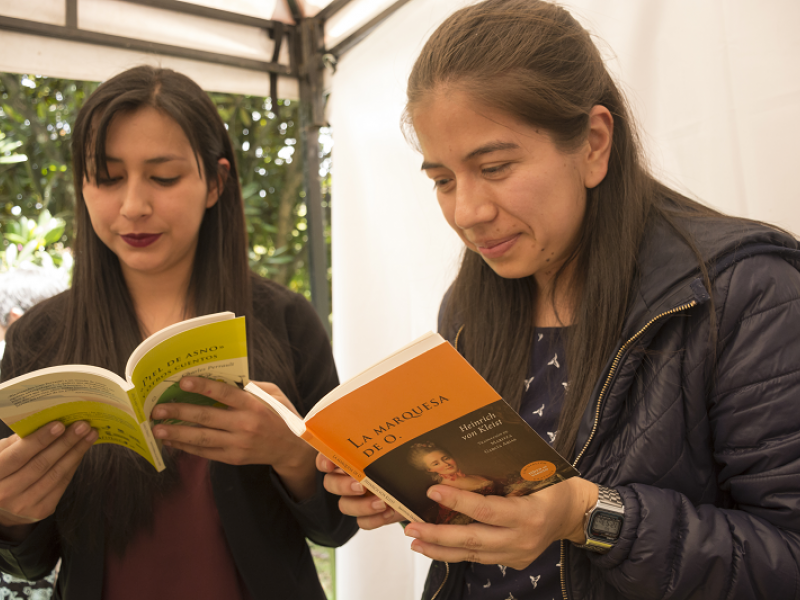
542	399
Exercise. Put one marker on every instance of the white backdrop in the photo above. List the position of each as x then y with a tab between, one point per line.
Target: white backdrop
716	87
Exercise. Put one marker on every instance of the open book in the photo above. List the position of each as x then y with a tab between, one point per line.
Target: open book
210	346
424	416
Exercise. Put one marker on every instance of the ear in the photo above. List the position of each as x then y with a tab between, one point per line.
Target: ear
15	313
601	134
216	185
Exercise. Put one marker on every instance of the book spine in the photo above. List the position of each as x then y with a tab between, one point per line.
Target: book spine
152	445
359	476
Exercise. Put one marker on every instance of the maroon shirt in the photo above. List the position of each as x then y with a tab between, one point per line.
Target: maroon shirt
185	555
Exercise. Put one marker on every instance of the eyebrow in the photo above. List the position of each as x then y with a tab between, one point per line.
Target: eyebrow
486	149
157	160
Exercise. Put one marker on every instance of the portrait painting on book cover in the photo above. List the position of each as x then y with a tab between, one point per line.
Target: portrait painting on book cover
490	451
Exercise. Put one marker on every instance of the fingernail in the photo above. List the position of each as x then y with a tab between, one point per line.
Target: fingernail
413	533
159	433
158	413
389	514
378	505
415	548
81	428
357	487
434	495
187	384
56	428
92	437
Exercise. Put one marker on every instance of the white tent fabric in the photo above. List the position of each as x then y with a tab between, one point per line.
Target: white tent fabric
716	87
28	53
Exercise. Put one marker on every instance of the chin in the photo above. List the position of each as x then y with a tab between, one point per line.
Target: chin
509	271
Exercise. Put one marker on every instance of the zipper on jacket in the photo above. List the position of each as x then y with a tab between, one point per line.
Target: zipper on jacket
562	565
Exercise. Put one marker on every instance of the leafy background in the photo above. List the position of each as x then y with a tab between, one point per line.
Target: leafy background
37	194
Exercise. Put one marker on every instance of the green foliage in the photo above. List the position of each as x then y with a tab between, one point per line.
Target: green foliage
324	560
35	241
269	148
35	175
35	117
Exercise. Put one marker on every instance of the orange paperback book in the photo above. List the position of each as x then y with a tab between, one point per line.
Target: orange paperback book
424	416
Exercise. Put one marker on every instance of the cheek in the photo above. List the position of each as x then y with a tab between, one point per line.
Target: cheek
100	210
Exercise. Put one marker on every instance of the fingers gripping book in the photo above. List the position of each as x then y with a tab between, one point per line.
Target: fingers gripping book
119	409
424	416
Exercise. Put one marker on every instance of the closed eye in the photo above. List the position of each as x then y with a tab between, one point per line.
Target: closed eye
495	170
166	181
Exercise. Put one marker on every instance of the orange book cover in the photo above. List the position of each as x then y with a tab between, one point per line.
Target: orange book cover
424	416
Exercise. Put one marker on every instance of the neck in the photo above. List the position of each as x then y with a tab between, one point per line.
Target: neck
159	300
555	307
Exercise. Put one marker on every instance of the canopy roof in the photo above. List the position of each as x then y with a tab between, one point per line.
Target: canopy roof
225	45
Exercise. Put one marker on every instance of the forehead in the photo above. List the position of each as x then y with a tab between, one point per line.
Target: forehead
453	127
145	129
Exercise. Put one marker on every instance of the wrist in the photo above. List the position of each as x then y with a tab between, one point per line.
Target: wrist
585	495
297	457
298	473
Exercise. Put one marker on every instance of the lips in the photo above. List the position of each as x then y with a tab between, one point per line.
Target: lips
497	247
140	240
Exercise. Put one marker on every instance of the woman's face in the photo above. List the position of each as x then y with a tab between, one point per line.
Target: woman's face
149	209
503	186
440	463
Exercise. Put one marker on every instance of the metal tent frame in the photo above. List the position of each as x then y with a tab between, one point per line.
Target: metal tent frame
308	58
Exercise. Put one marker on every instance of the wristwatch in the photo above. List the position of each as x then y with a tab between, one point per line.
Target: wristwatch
603	522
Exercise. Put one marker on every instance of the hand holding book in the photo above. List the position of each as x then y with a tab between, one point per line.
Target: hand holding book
511	530
35	471
244	431
422	416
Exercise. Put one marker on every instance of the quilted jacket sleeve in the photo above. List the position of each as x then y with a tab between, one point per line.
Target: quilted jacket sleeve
746	544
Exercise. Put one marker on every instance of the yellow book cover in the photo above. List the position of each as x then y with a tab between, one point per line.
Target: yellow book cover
119	409
424	416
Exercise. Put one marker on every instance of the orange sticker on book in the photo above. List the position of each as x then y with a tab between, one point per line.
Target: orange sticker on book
538	470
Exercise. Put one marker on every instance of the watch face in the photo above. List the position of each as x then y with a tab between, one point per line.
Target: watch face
606	526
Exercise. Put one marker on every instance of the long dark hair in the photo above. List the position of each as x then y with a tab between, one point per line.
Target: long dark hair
95	322
534	61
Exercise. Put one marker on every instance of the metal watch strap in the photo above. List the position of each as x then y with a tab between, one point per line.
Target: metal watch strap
609	502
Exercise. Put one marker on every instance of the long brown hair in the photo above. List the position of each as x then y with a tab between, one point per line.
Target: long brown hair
95	322
534	61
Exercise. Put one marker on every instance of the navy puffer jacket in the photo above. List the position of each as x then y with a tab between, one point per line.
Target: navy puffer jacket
699	433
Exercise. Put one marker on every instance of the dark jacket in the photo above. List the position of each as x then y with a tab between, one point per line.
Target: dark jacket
266	530
699	433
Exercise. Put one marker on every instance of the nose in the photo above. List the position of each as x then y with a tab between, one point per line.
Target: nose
473	205
136	201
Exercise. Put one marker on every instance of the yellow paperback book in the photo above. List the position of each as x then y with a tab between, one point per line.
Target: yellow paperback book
424	416
119	409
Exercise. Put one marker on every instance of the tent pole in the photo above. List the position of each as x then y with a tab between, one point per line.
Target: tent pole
308	48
